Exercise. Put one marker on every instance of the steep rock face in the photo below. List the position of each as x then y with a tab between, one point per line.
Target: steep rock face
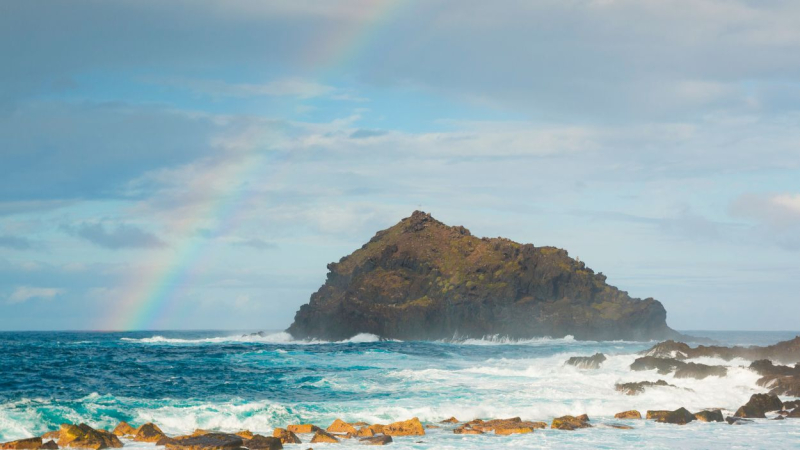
422	279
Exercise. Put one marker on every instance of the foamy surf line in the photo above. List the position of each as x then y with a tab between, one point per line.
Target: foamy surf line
275	338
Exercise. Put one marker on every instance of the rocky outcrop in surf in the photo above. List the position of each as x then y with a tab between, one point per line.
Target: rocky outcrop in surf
423	280
784	352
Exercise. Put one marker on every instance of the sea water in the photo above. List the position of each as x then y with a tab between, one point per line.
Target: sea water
226	381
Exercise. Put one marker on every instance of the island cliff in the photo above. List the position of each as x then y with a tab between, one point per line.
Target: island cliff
424	280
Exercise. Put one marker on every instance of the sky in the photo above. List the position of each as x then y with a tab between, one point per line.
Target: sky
196	165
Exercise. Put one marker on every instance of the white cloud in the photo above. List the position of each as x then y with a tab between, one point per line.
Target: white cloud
24	293
777	210
291	87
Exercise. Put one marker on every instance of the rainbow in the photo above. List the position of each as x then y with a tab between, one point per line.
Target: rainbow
151	294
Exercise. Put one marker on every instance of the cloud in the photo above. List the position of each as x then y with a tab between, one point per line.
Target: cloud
294	87
119	237
780	211
256	243
15	242
24	293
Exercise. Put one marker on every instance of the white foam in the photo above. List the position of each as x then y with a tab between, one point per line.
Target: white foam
281	337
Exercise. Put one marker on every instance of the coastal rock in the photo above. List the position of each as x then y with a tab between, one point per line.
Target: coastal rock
714	415
514	425
149	432
245	434
377	428
619	426
657	414
466	429
84	436
411	427
636	388
737	421
364	432
570	422
758	405
52	435
784	351
781	380
376	440
340	426
632	414
209	441
303	428
323	437
786	405
680	416
795	414
49	445
513	430
124	429
424	280
286	436
587	362
33	443
450	420
681	369
259	442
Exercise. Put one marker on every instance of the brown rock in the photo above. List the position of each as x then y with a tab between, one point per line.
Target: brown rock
632	414
709	416
636	388
30	444
245	434
516	430
656	414
49	445
377	428
450	420
376	440
323	437
619	426
303	428
259	442
364	432
570	423
148	432
465	429
208	441
286	436
340	426
124	429
680	416
587	362
795	413
411	427
52	435
84	436
758	405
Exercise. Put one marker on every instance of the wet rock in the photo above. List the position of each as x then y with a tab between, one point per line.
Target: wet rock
84	436
714	415
632	414
681	369
786	405
758	405
209	441
785	351
52	435
513	430
28	444
795	414
124	429
49	445
364	432
376	440
411	427
587	362
620	426
466	429
778	418
432	427
636	388
583	417
377	428
286	436
680	416
781	380
245	434
303	428
259	442
424	280
656	414
570	423
323	437
450	420
340	426
737	421
148	432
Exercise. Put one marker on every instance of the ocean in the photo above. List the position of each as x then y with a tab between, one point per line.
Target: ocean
228	381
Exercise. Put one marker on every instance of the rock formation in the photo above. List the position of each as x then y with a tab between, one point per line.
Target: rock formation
785	351
422	279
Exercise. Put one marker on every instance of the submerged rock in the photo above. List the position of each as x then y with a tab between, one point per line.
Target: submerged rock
424	280
376	440
259	442
587	362
209	441
632	414
758	405
411	427
570	422
28	444
737	421
636	388
714	415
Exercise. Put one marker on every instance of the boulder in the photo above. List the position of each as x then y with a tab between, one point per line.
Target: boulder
714	415
259	442
758	405
450	420
669	349
124	429
303	428
33	443
619	426
84	436
636	388
786	405
570	423
321	437
340	426
513	430
680	416
49	445
209	441
737	421
377	428
286	436
411	427
466	429
376	440
587	362
364	432
656	414
632	414
245	434
795	414
148	432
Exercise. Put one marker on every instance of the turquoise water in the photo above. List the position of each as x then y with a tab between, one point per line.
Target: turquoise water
224	381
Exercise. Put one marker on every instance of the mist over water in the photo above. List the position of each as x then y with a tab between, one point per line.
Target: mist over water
226	381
